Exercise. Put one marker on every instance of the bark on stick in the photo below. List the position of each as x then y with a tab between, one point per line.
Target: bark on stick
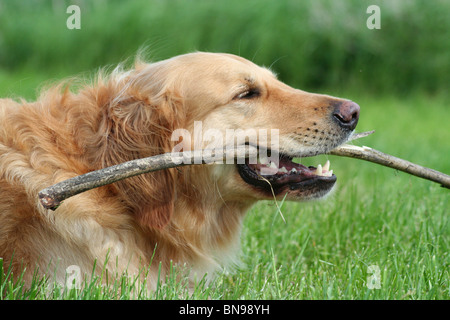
372	155
52	196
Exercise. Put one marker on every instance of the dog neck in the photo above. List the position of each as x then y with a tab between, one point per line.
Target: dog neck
205	226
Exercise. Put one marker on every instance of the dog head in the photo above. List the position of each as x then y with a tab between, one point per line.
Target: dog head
231	101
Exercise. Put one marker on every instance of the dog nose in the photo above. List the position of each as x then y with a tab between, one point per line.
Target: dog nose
347	114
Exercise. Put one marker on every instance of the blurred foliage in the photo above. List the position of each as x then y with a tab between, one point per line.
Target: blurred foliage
312	44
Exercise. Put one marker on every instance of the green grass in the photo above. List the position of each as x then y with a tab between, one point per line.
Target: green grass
376	217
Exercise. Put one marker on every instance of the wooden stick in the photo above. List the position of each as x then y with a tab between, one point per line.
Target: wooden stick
360	135
372	155
52	196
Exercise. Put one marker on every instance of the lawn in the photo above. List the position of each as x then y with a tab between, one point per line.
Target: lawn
382	234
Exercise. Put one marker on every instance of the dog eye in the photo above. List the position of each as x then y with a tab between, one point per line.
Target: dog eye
248	94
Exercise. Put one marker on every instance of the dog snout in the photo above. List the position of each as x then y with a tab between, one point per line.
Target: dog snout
347	114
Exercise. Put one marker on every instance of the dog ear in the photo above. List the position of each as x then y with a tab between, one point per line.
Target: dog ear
136	128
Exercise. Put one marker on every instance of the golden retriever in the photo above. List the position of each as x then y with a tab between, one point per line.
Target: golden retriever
190	215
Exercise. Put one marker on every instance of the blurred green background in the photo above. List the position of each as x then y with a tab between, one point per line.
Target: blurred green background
313	45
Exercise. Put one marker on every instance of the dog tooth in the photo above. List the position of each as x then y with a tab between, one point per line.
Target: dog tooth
319	170
326	166
273	165
284	170
263	160
293	170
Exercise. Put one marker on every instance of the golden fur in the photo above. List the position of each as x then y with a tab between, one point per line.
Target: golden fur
189	215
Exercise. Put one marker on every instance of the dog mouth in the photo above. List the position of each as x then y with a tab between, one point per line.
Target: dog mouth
285	175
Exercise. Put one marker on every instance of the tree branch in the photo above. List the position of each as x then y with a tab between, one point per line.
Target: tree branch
372	155
52	196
